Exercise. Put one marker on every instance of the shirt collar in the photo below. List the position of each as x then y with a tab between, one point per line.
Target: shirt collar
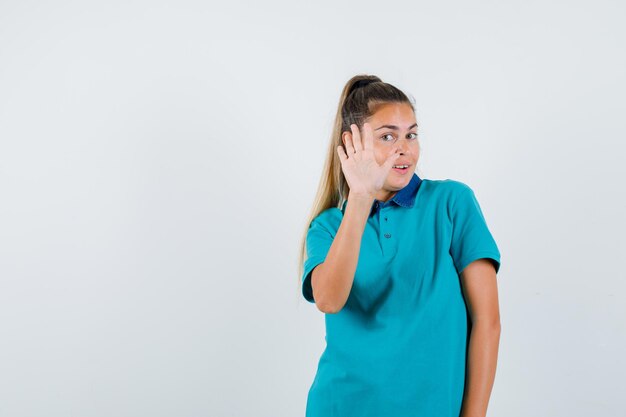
405	197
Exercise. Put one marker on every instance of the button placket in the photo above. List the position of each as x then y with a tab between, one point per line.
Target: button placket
386	236
385	230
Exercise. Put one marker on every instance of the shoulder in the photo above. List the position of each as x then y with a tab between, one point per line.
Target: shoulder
447	190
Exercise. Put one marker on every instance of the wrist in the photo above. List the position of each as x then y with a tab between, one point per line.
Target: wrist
363	197
361	200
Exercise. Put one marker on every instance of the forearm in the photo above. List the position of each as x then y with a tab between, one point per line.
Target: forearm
332	280
481	368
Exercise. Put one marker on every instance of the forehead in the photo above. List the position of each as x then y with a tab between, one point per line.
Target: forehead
399	114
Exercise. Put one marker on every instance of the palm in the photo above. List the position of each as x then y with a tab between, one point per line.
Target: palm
363	173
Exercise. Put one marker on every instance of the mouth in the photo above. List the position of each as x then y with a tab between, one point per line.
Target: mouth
401	168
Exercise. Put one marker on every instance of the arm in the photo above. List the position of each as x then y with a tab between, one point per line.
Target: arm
332	279
481	294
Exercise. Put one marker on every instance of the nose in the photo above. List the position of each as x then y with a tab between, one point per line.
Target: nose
402	145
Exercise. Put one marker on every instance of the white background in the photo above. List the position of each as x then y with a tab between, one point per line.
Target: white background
158	160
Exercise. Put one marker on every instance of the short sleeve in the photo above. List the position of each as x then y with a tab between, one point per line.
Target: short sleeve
318	241
471	238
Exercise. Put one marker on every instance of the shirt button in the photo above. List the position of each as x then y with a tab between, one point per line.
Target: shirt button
385	219
387	235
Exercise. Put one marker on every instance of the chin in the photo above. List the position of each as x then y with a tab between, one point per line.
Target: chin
397	184
406	177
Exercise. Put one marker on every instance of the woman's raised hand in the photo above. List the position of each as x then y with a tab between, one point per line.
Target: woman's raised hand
358	163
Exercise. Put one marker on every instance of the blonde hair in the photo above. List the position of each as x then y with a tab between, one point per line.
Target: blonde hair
360	99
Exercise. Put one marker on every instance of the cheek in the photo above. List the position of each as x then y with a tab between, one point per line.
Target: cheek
416	149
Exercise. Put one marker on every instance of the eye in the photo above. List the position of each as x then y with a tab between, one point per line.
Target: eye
414	136
384	136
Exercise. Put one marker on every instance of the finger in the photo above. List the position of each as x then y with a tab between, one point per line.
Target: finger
368	136
391	159
342	153
349	148
356	138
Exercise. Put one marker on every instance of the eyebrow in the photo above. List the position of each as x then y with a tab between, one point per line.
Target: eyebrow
394	127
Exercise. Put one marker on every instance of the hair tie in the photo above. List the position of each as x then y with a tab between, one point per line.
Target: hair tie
362	83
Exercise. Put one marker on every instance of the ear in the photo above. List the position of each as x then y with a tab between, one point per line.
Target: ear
343	138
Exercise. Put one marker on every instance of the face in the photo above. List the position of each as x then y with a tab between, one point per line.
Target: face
394	127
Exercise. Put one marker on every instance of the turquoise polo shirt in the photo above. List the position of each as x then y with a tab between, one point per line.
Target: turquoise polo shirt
398	346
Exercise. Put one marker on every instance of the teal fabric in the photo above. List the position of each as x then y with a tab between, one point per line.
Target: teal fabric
398	346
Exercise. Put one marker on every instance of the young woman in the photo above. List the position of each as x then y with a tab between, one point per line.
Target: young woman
404	268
